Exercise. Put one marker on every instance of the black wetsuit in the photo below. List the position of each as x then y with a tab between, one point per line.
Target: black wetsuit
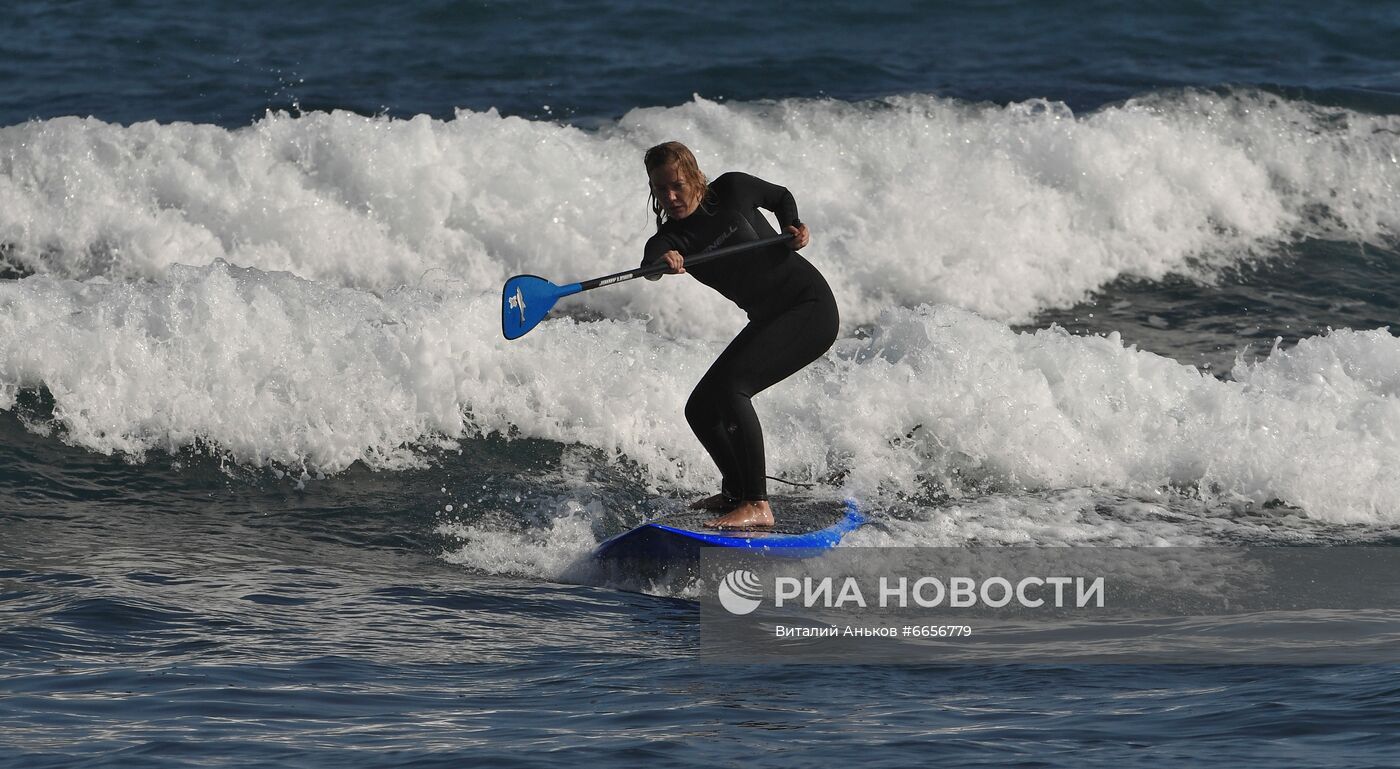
792	319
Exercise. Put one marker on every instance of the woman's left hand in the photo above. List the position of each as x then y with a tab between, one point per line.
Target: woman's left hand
800	235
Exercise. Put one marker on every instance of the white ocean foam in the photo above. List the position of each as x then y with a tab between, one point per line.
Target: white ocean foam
1001	210
268	368
553	550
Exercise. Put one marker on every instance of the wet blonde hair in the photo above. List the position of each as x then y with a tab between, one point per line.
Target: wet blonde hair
677	155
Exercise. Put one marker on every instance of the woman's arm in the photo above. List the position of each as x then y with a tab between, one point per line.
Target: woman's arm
659	248
775	198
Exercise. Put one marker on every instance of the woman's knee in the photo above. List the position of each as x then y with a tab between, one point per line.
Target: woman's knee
700	408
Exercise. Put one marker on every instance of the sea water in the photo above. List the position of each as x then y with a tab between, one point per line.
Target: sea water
274	490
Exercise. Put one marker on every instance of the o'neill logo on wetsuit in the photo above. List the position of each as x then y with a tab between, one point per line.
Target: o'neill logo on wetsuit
733	228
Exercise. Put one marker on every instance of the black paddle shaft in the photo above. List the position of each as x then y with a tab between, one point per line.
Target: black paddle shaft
700	258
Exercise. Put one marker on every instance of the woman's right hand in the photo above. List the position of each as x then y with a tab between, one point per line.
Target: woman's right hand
677	262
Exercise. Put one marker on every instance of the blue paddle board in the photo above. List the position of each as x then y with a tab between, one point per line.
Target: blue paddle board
674	541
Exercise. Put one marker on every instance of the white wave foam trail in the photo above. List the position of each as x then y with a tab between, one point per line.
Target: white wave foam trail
270	368
1001	210
1317	426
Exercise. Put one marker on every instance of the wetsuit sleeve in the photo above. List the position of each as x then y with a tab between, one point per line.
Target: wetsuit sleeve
773	197
657	245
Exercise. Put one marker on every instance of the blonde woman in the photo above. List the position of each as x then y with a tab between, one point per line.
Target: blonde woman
792	315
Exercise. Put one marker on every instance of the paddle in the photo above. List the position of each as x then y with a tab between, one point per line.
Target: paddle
526	299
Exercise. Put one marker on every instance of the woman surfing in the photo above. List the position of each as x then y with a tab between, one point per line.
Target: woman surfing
792	314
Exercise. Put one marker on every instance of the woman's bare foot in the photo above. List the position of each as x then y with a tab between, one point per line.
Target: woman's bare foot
720	501
748	515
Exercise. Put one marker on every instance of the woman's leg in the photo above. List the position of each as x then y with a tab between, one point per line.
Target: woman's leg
763	354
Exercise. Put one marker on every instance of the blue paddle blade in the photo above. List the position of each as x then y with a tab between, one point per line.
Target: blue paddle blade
525	301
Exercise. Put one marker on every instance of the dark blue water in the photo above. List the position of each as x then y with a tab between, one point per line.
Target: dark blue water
152	60
174	596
